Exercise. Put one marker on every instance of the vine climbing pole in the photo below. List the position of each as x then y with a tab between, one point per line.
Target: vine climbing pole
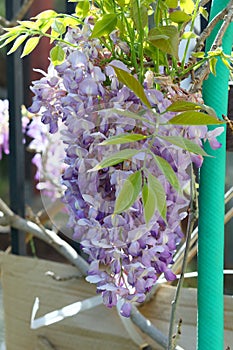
211	208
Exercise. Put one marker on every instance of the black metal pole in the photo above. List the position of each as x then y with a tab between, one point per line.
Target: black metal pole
70	8
16	160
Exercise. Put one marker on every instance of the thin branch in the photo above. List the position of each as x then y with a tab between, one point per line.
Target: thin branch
47	236
227	20
4	23
23	10
191	220
176	267
49	212
203	3
206	32
203	72
146	327
47	345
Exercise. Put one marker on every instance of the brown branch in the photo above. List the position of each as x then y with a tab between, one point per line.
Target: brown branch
45	235
203	3
206	32
176	267
191	220
203	72
23	10
47	345
4	23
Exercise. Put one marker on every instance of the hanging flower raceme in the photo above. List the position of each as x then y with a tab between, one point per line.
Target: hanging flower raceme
4	127
48	159
125	180
49	150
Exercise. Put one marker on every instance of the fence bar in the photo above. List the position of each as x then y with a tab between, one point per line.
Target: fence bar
70	8
16	160
211	209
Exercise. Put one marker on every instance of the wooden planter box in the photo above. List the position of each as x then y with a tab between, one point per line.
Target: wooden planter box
23	279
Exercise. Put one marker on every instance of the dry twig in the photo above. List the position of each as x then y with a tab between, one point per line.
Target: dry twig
203	72
4	23
45	235
45	344
191	220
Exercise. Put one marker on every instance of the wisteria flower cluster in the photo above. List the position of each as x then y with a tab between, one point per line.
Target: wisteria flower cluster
49	153
4	127
114	141
49	150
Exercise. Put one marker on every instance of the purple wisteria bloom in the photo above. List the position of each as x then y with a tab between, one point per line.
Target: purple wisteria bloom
126	253
4	127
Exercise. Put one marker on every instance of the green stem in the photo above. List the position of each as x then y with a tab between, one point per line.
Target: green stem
193	67
157	24
132	41
41	34
141	38
33	247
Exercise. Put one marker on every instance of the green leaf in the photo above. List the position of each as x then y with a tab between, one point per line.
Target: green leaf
189	35
105	25
187	6
128	114
215	53
45	24
155	185
179	17
29	24
72	21
54	36
168	44
133	84
11	30
121	3
138	14
57	55
194	118
180	106
82	8
123	138
30	45
9	40
115	158
153	197
168	172
17	43
129	192
204	12
149	202
226	62
47	14
184	144
172	3
58	26
198	54
7	35
212	62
